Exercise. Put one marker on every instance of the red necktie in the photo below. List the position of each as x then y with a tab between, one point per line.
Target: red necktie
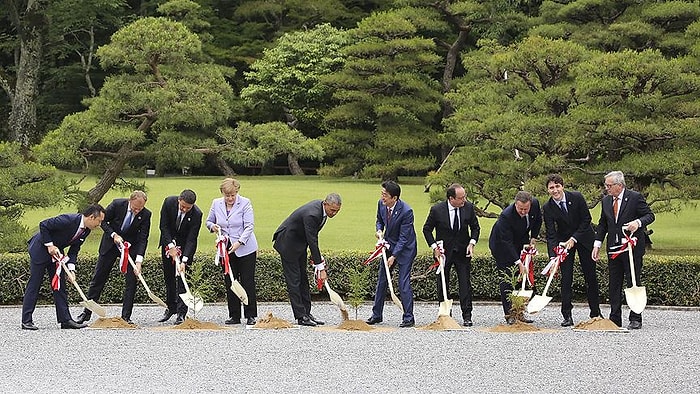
615	207
388	215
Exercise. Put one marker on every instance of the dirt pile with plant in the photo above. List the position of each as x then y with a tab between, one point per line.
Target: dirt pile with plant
272	322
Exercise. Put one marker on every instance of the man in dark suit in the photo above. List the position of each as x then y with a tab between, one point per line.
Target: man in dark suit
567	219
126	220
297	234
517	225
622	208
453	221
180	221
395	224
55	234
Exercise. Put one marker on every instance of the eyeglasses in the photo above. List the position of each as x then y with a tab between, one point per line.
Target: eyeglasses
609	185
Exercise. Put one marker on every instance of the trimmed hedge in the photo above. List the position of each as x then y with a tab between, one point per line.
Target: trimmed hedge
668	280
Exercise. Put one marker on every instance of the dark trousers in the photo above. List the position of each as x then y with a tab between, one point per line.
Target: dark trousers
589	275
505	287
463	267
297	285
105	263
243	269
620	273
405	291
37	270
173	287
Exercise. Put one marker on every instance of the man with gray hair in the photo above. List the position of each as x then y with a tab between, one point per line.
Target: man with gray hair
622	209
297	234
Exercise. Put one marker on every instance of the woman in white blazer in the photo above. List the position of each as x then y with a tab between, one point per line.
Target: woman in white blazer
233	215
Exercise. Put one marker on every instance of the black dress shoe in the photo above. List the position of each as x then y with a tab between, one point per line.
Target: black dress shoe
83	317
510	320
29	326
568	322
250	321
526	320
373	320
180	319
634	325
315	320
306	321
467	323
232	320
72	325
409	323
166	316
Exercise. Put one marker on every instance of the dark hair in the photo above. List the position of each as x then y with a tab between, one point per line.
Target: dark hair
392	188
93	210
556	178
188	196
452	190
523	196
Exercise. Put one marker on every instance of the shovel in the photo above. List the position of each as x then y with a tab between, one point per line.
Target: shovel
89	304
522	292
188	298
394	298
152	296
335	298
445	304
540	301
636	296
236	286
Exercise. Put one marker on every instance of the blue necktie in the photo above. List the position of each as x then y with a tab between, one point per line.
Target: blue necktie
127	221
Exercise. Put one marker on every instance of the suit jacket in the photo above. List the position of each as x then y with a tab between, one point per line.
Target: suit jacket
299	232
439	220
561	226
509	233
399	232
237	224
60	230
186	236
136	234
633	206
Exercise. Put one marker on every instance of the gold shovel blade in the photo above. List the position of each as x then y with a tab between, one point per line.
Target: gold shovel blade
157	300
636	297
191	301
537	303
239	291
94	307
445	308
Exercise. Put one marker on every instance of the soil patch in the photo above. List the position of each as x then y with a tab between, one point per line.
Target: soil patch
442	323
194	324
112	322
597	324
272	322
354	325
518	326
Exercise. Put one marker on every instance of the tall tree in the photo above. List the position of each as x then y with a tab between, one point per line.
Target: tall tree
163	101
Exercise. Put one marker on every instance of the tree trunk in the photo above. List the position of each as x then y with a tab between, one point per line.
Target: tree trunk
31	30
294	166
222	165
110	175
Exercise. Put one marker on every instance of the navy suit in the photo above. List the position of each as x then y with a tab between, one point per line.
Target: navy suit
560	227
186	238
61	230
292	239
632	207
401	236
455	244
508	235
136	235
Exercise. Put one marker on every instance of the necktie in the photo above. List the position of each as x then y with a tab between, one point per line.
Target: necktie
455	220
388	215
77	235
179	220
562	205
615	207
127	221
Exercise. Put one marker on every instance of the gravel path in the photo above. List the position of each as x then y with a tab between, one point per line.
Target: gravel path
660	358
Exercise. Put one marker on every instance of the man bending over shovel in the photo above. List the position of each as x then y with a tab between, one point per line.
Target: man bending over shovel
622	209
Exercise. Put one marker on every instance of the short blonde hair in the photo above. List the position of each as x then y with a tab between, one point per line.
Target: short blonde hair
229	186
138	194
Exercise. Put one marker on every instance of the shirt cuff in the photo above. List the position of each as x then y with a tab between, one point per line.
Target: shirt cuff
433	246
71	266
472	241
48	244
597	244
139	259
184	259
517	262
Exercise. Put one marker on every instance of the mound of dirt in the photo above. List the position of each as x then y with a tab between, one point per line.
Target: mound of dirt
194	324
112	322
272	322
518	326
355	325
597	324
442	323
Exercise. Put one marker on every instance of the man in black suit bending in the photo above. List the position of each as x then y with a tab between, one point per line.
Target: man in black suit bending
456	224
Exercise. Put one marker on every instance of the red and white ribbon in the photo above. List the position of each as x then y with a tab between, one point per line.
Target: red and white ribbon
124	258
379	247
561	253
179	253
56	280
526	256
627	243
317	271
437	263
221	256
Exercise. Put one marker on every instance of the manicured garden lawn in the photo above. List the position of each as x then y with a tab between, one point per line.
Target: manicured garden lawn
275	197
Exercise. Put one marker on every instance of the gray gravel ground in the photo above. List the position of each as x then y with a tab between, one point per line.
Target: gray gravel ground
663	357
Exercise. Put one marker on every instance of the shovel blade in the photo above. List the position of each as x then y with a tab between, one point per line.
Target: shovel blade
191	301
157	300
239	291
636	297
94	307
445	308
537	303
523	293
397	301
335	298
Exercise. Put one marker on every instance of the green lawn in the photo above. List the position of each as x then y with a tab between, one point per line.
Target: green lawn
275	197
